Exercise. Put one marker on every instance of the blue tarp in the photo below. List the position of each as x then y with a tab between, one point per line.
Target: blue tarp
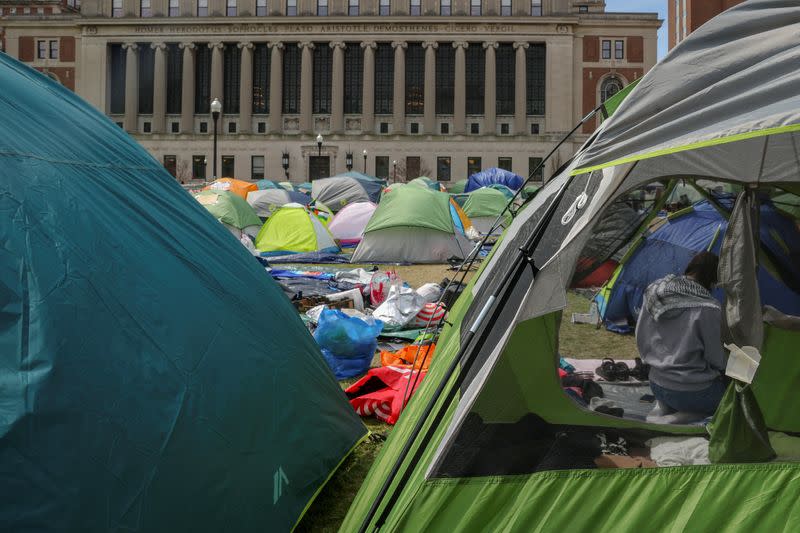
493	175
153	378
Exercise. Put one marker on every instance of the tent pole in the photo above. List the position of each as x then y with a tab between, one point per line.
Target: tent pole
523	260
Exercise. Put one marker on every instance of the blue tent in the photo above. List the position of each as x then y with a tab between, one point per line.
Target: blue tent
670	247
268	184
493	175
154	377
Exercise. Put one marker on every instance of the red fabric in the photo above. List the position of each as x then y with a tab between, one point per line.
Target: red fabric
380	392
599	276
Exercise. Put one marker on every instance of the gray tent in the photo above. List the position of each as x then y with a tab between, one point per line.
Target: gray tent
265	201
338	191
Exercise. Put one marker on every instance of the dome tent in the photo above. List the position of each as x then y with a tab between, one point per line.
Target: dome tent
415	225
266	201
338	191
457	187
491	176
490	441
294	228
425	181
484	206
229	208
136	347
240	187
348	225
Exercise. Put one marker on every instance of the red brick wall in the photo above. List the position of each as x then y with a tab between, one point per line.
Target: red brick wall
26	48
67	49
591	48
636	49
66	75
590	99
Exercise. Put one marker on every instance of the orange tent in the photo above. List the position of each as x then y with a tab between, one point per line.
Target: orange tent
233	185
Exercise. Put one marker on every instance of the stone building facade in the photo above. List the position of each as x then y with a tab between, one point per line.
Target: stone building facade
395	88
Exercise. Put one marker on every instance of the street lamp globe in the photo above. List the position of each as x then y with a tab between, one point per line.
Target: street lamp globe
319	144
216	106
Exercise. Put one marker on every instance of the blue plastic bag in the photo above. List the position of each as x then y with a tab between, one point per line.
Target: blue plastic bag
348	343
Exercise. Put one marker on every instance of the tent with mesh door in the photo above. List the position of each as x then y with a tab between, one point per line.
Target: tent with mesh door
490	441
154	377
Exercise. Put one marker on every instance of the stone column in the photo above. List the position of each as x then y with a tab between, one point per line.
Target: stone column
130	122
520	83
159	87
337	88
306	87
430	87
187	88
399	102
490	90
246	88
368	96
460	89
217	72
276	88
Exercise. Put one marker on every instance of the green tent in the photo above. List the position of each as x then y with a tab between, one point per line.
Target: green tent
154	377
788	203
490	441
294	228
457	187
232	210
425	181
483	206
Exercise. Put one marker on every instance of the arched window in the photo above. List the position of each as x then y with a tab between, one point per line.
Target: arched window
611	86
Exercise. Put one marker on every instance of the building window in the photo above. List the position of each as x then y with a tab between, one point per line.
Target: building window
504	84
415	8
353	77
535	83
116	86
174	8
171	164
202	79
116	8
202	8
54	49
475	8
291	8
536	8
443	168
619	49
474	128
261	66
291	79
504	163
414	127
504	129
175	127
534	129
203	127
261	8
533	163
146	66
606	50
322	8
583	9
262	127
384	78
382	166
41	49
609	88
473	165
352	8
227	168
231	127
174	78
445	79
415	79
412	167
257	167
444	128
505	8
199	167
475	66
444	8
144	9
384	127
147	127
231	78
321	85
385	7
230	9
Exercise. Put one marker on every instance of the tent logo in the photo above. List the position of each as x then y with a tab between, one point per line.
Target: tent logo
278	481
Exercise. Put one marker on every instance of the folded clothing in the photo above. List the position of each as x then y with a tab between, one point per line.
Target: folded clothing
678	451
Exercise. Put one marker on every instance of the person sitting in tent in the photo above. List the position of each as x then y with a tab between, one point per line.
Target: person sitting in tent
678	335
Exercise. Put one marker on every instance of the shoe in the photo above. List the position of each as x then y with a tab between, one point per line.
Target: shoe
607	370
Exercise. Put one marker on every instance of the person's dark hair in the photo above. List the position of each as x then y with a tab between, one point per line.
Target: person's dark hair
703	269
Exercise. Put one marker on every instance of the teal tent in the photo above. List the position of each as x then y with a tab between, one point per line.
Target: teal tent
153	378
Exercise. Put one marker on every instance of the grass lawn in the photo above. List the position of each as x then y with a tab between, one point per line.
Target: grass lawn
582	341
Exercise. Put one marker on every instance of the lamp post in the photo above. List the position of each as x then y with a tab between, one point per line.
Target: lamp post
319	144
394	173
216	108
348	161
205	169
285	163
365	161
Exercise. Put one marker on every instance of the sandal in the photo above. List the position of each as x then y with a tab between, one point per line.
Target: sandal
623	371
607	370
